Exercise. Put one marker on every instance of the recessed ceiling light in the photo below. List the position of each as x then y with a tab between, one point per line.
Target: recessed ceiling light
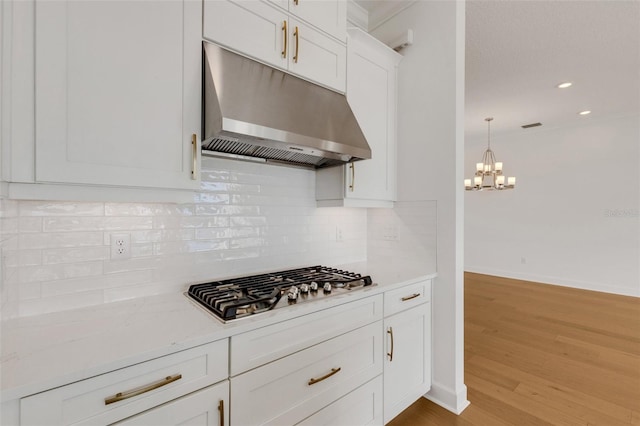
586	112
564	85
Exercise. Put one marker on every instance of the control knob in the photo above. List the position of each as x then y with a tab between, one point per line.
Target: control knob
313	286
327	287
304	288
292	293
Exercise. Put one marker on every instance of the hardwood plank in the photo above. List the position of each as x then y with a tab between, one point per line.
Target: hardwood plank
539	354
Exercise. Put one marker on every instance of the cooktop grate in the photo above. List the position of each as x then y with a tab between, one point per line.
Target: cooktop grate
237	297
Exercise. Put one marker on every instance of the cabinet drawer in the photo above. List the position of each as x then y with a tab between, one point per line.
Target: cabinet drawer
207	407
85	402
406	297
293	388
260	346
363	406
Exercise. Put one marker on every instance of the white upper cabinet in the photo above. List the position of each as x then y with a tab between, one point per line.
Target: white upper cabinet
117	92
329	16
275	36
371	92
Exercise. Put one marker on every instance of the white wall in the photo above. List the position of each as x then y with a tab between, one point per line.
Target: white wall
246	218
574	217
430	160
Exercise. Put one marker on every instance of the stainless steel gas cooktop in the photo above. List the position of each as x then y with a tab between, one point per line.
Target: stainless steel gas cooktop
240	297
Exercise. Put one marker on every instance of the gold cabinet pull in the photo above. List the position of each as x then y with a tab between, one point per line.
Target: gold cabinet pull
413	296
353	177
326	376
221	409
143	389
194	147
296	34
295	2
285	35
390	354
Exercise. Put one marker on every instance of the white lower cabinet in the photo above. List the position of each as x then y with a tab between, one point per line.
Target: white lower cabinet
362	406
287	391
123	393
358	363
407	365
208	407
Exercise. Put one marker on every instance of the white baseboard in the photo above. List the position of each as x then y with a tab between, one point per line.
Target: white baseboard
624	291
447	398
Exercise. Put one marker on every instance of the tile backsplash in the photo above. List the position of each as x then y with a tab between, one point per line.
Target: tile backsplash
404	233
246	218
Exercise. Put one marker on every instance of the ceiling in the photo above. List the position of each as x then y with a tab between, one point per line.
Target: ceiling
517	52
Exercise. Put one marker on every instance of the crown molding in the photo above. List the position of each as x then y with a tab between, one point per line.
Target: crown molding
357	16
387	10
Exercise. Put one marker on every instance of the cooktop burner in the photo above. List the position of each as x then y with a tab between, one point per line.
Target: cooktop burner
239	297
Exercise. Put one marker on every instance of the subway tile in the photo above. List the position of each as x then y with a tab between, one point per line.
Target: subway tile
130	209
133	264
29	224
59	239
243	243
8	225
58	208
163	249
61	271
213	233
72	255
158	235
29	291
248	221
97	223
212	198
8	208
142	250
22	257
241	253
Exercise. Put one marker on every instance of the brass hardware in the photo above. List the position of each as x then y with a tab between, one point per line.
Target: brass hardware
295	2
284	33
194	146
221	409
143	389
353	177
390	354
326	376
413	296
296	33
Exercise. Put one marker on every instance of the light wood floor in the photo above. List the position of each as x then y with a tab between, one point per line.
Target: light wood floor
538	354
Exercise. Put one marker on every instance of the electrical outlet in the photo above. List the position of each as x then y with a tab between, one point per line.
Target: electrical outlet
339	236
120	246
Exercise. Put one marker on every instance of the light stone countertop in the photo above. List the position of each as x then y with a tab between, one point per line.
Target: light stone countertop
47	351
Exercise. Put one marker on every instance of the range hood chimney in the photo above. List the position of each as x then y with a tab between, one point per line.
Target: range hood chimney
253	111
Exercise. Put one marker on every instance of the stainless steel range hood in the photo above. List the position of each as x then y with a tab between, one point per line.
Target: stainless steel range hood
253	111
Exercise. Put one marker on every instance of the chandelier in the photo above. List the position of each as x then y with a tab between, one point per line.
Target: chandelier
489	173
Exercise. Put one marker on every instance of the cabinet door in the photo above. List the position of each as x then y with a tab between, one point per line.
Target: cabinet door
407	367
371	85
250	27
328	15
316	57
118	92
208	407
371	92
